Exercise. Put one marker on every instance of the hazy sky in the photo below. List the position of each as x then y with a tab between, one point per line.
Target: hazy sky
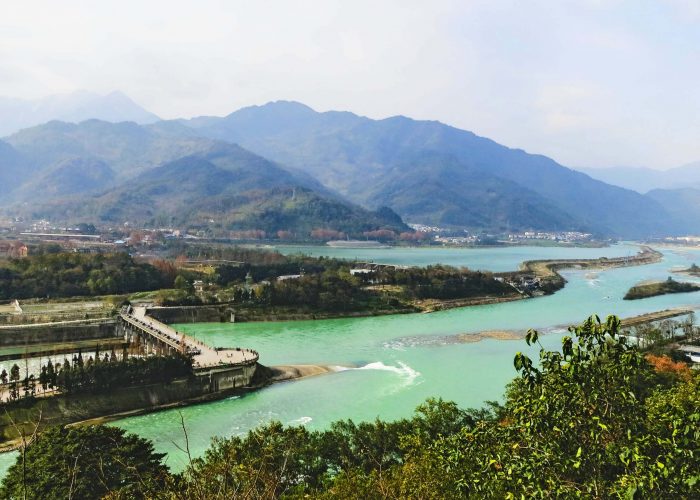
590	83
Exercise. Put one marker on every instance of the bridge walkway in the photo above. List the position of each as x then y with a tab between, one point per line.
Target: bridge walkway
203	356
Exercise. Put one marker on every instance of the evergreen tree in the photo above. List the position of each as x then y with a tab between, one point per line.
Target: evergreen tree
86	463
51	374
14	382
44	378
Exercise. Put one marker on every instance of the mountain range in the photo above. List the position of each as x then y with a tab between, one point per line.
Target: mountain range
432	173
284	166
161	174
17	114
643	179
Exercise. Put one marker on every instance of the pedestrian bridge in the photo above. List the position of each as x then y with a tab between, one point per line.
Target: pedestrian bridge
158	338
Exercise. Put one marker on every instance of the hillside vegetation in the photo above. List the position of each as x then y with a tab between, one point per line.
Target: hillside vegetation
434	173
107	173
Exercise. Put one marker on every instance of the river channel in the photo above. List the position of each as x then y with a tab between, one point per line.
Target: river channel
388	365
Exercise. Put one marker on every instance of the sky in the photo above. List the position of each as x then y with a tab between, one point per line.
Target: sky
591	83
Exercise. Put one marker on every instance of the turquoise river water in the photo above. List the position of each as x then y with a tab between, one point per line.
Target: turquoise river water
388	365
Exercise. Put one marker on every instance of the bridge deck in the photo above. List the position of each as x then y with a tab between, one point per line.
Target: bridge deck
204	356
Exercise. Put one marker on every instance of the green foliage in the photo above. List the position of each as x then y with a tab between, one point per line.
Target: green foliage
274	460
101	375
442	282
581	424
660	288
70	274
86	463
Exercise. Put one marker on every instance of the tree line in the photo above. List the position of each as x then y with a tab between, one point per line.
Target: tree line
440	282
100	373
72	274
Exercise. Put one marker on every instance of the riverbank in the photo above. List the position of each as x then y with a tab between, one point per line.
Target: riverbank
94	409
547	271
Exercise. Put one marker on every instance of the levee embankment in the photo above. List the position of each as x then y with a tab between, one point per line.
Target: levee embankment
228	313
93	408
58	333
548	270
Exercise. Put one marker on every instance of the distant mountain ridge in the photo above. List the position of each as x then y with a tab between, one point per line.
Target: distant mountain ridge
643	179
335	162
433	173
161	175
75	107
129	148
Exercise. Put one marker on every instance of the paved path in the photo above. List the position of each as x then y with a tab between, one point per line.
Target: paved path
203	355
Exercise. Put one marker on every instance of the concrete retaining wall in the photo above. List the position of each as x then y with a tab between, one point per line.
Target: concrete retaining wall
192	314
64	409
38	334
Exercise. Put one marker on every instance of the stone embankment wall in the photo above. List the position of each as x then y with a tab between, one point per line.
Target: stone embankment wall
56	333
65	409
192	314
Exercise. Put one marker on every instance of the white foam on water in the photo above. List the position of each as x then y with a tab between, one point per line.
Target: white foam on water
340	368
405	371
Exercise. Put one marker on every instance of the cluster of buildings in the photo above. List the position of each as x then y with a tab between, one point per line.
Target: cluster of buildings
457	240
529	285
421	228
683	240
559	236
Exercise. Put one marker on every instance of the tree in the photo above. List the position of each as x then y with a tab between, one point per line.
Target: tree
14	382
44	378
51	375
181	283
581	423
86	463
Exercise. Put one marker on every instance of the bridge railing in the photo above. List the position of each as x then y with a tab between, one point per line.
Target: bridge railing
167	339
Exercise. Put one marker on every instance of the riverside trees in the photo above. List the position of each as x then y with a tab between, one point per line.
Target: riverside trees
99	375
593	420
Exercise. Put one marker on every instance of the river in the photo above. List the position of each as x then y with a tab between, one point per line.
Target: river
390	364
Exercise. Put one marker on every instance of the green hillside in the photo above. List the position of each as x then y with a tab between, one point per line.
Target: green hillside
389	157
223	189
126	147
73	176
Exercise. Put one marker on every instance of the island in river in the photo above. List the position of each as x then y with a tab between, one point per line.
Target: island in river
654	288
